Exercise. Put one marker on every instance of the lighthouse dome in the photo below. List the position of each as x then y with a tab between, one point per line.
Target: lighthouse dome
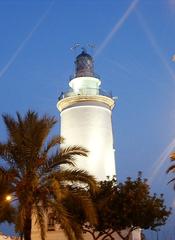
84	65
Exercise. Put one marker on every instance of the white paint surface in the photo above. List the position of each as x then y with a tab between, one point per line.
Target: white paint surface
90	126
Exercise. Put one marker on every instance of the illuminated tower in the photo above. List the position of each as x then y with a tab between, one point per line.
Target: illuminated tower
86	119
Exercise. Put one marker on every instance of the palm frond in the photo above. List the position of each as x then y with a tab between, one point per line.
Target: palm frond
56	161
11	125
55	189
67	155
172	156
6	175
171	169
30	128
77	231
38	128
71	229
172	180
53	142
40	219
75	150
76	176
81	199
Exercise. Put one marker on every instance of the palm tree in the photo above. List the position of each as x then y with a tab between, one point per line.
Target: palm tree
37	181
171	169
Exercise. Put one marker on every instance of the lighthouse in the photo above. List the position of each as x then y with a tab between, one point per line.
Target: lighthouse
86	119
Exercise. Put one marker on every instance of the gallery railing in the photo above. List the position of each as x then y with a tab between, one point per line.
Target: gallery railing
85	92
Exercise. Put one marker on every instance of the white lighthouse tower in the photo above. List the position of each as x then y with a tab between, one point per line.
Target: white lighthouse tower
86	119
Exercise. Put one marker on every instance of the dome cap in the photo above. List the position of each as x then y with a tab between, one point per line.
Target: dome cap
84	65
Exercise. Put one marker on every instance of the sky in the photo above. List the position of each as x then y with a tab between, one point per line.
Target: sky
135	43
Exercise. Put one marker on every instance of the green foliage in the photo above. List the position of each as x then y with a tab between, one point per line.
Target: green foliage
34	178
127	205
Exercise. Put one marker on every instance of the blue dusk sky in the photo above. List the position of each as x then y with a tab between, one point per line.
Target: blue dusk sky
135	42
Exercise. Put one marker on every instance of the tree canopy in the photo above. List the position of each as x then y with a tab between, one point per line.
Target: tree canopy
32	175
128	205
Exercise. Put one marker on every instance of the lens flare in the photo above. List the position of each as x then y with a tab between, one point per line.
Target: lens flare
162	159
154	44
116	27
22	45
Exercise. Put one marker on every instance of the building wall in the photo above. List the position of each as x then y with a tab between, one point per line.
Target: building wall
59	234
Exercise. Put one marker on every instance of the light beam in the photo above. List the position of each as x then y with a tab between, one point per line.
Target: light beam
154	44
159	163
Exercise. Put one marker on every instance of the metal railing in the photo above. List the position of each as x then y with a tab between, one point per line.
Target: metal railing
83	74
85	92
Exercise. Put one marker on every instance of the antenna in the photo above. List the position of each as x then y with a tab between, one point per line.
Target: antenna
91	46
83	47
75	46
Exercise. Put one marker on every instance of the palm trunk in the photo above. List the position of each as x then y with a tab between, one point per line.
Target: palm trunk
27	228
